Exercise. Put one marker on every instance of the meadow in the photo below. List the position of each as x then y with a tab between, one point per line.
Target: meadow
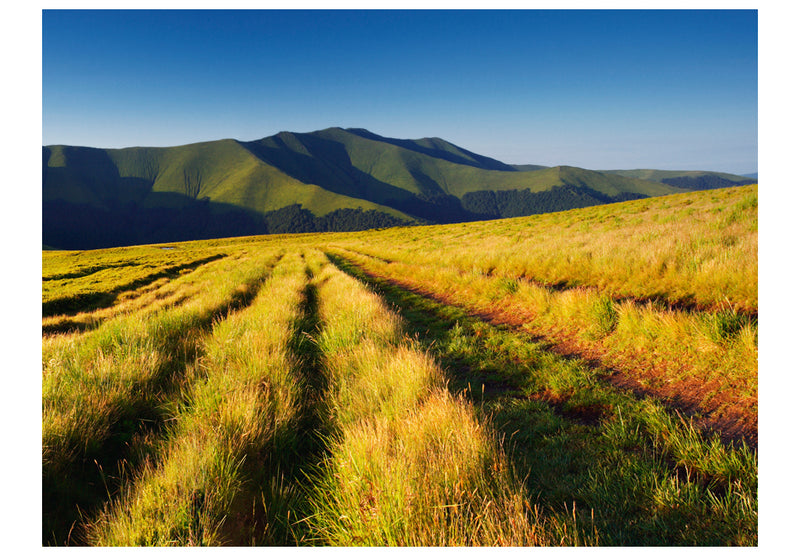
582	378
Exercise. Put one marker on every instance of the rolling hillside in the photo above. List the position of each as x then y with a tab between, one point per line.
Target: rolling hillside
583	378
691	180
330	180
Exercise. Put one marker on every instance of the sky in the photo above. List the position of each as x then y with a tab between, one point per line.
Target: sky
609	89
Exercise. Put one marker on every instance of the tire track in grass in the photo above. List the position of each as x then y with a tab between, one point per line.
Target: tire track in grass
96	300
254	421
167	291
409	463
299	466
684	305
633	474
105	397
695	374
85	322
281	506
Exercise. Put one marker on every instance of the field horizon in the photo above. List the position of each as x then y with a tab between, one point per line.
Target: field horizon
328	180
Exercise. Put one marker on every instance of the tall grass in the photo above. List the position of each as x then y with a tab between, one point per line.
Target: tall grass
698	249
240	417
409	464
184	414
99	389
161	293
68	289
605	466
693	358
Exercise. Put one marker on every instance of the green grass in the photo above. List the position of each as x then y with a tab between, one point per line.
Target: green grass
101	388
635	472
645	249
409	464
675	355
224	171
99	286
239	419
658	175
456	385
323	171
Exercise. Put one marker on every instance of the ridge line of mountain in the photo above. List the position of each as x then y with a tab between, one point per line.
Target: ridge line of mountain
333	179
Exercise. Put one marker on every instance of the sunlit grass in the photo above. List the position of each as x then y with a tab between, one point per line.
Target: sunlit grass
658	346
698	248
410	465
99	389
607	467
182	409
240	410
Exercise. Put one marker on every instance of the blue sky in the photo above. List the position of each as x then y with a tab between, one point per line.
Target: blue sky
597	89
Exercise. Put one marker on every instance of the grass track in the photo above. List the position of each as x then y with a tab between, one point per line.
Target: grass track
240	419
102	391
690	360
446	396
119	281
410	464
166	289
696	250
605	467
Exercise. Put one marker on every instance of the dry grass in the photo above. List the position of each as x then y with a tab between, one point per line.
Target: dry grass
242	405
411	465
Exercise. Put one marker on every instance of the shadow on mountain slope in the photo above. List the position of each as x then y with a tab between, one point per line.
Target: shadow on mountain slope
463	157
328	165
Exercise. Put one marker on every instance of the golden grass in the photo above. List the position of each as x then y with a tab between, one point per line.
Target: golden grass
662	349
89	381
697	248
411	465
408	462
243	403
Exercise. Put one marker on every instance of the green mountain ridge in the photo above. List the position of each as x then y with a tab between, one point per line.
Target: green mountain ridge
688	179
329	180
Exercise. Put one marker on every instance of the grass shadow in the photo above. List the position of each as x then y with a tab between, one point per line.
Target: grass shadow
99	300
597	479
78	489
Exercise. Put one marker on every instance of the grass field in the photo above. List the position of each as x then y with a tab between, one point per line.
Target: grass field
585	378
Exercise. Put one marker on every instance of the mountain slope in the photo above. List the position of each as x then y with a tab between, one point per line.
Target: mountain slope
332	179
691	180
355	162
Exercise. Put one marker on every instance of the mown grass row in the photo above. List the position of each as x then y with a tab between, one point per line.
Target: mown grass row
216	479
75	265
101	390
410	464
632	471
705	362
313	417
409	460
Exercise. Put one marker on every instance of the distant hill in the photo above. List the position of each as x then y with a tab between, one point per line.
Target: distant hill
330	180
692	180
528	167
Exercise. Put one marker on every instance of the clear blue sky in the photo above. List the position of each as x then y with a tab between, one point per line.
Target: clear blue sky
596	89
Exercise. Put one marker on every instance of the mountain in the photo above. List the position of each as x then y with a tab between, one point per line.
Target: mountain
330	180
692	180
